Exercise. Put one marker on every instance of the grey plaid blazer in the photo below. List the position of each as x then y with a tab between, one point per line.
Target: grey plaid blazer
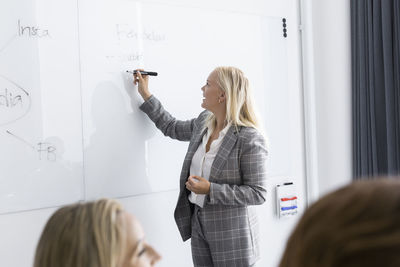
238	180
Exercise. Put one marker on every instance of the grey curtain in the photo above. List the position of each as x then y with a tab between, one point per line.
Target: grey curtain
375	45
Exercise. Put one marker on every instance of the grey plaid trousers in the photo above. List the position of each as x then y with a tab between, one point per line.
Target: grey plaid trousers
211	254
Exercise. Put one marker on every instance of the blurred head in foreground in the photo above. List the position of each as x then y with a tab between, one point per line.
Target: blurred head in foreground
357	225
94	234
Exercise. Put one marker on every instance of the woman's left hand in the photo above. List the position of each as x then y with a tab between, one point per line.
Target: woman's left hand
198	185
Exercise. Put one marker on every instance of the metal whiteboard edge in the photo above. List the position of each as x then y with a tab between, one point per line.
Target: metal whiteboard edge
310	121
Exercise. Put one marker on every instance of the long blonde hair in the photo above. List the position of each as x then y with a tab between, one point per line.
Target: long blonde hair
239	100
82	235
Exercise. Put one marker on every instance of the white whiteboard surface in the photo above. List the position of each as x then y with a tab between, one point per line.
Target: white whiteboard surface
40	115
75	133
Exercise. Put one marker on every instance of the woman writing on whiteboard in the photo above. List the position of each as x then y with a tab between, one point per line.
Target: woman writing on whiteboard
223	174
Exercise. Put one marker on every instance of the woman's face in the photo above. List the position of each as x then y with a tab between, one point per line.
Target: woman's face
213	95
137	253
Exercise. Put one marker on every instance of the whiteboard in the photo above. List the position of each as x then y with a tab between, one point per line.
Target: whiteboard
76	131
40	115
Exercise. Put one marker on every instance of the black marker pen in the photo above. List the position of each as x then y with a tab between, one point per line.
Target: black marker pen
143	72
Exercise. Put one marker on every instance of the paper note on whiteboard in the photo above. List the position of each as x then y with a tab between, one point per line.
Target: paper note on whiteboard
286	200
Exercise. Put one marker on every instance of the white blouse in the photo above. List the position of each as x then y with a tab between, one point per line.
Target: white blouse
202	162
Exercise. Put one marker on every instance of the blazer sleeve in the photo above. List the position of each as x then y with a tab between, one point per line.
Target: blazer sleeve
253	171
166	123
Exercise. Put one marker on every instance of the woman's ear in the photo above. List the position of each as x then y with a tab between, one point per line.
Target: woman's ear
222	97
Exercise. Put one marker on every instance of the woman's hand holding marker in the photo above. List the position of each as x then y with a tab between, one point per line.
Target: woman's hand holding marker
143	84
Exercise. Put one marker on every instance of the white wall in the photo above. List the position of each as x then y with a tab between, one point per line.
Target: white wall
332	62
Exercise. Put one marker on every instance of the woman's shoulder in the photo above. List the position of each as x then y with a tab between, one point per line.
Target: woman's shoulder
198	123
248	132
202	118
204	114
250	137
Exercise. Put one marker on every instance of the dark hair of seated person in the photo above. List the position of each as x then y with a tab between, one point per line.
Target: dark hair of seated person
357	225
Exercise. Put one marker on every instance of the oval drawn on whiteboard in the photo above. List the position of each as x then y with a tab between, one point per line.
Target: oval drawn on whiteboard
14	101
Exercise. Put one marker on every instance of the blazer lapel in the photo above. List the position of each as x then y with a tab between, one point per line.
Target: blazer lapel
222	155
196	142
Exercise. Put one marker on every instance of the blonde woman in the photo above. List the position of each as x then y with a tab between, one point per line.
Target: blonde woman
94	234
223	174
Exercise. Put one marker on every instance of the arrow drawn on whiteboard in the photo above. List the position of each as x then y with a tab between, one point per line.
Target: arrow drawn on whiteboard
45	148
19	138
8	43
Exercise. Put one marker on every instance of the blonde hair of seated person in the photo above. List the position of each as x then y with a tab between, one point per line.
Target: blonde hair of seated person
93	234
357	225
